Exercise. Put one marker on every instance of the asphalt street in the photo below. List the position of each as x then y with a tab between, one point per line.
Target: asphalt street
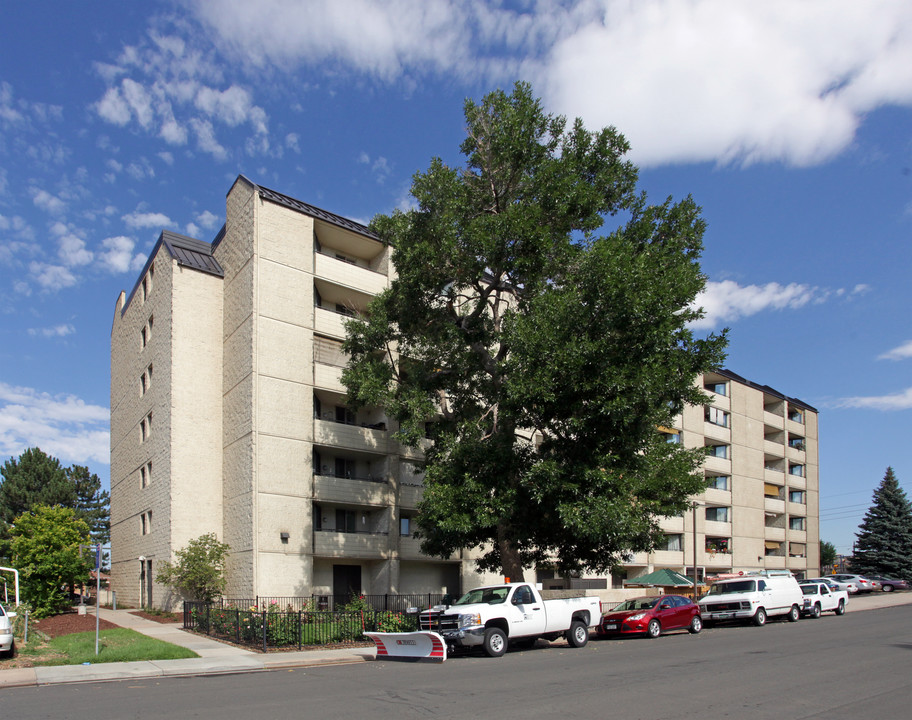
836	667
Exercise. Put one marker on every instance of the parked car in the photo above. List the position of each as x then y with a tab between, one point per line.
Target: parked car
819	598
890	584
830	583
861	583
755	597
7	644
651	616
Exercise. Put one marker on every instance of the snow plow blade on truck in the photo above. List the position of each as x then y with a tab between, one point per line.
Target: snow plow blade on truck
409	646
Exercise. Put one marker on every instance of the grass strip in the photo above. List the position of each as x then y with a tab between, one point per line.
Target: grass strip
116	645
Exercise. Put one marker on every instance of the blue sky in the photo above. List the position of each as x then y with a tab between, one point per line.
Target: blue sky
789	121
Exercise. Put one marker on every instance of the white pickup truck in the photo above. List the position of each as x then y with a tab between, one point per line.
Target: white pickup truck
493	616
819	597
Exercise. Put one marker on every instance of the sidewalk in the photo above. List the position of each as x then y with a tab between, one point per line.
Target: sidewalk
216	658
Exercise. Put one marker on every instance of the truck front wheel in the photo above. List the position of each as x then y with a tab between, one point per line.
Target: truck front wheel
495	642
578	634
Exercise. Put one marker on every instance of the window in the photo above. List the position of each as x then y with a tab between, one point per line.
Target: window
149	373
796	469
147	284
716	416
145	428
796	441
718	482
142	384
145	335
797	496
346	521
796	415
718	545
318	407
800	550
673	542
344	310
344	415
143	339
146	522
145	475
772	491
672	436
797	523
720	388
719	451
345	468
405	526
317	463
717	514
317	517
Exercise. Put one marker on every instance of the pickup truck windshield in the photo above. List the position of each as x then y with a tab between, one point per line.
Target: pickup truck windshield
491	596
733	587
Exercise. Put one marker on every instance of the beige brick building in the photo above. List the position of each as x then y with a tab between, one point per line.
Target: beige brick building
228	416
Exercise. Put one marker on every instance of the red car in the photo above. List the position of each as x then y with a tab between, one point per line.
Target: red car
651	616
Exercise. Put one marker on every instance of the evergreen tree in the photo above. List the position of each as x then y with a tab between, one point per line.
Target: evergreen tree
548	355
92	503
35	478
884	538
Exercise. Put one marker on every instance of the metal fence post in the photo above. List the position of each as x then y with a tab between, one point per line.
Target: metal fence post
264	631
208	619
300	613
237	625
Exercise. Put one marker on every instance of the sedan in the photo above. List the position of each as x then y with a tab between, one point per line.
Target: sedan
890	584
651	616
862	584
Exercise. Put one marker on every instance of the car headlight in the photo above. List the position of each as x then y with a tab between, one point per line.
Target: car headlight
467	620
638	616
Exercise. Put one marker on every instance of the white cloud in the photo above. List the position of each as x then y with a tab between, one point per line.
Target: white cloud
206	140
44	200
63	426
118	254
727	301
166	157
72	250
51	332
897	401
901	352
146	220
685	80
292	142
207	219
51	277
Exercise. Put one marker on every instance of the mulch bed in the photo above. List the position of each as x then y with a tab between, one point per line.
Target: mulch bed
161	617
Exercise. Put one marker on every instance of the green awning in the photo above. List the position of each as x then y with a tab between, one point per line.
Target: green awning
662	577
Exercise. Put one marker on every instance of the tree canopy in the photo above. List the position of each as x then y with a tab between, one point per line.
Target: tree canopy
45	548
35	478
547	355
884	539
199	571
827	556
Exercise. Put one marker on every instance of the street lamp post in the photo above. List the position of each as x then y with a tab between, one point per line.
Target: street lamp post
694	505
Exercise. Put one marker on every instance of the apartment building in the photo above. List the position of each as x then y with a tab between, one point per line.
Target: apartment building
228	416
760	509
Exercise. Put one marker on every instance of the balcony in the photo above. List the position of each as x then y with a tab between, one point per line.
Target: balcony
774	533
354	491
328	322
410	549
716	432
796	454
668	557
773	421
774	449
776	477
717	464
714	559
367	545
718	497
720	529
412	453
349	275
328	377
773	505
774	562
796	482
672	524
351	437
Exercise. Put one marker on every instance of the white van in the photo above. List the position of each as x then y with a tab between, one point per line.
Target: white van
755	596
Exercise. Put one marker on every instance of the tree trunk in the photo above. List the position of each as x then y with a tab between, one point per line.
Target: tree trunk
509	558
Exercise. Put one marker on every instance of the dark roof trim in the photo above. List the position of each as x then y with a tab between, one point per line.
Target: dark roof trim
764	388
188	251
312	210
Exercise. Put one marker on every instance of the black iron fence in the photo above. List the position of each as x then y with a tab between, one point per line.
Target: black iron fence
268	626
393	603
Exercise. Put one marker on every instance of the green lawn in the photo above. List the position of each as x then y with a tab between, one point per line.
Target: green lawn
116	645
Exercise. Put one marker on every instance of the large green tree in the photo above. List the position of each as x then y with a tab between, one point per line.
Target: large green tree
884	539
827	556
548	354
35	478
46	551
